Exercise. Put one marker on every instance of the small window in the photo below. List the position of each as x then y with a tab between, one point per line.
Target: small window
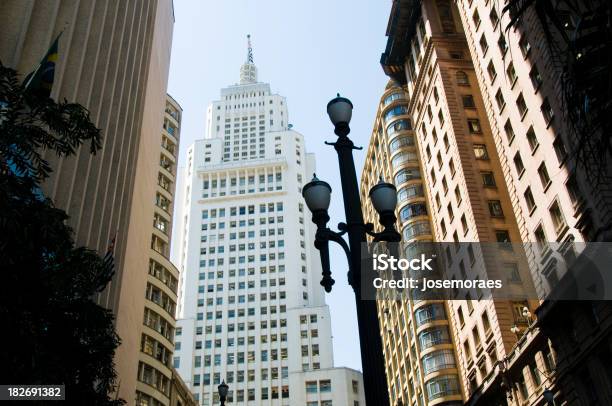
483	44
488	179
521	105
525	46
474	126
476	19
499	98
560	150
491	71
509	131
544	177
511	73
480	151
468	101
557	217
536	78
502	44
462	78
495	208
494	17
532	139
529	200
547	111
518	164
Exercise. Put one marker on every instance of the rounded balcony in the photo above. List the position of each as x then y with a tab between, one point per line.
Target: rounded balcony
408	193
398	126
395	95
413	211
400	142
436	361
416	230
442	388
429	313
394	111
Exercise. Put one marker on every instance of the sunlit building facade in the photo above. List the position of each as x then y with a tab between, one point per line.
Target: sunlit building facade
155	375
251	310
465	184
420	356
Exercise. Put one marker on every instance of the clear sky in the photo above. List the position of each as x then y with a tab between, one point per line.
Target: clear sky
308	51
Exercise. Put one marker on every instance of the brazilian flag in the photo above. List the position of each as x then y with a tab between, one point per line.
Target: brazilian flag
41	80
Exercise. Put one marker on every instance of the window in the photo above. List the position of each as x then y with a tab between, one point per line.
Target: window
495	208
501	43
483	44
525	46
560	150
468	102
521	105
499	98
540	237
480	151
494	17
511	73
325	386
518	164
491	71
547	111
536	78
557	217
573	190
532	139
474	126
476	19
544	177
488	180
462	78
529	200
509	131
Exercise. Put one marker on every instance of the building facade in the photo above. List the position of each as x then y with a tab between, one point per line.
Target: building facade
495	157
251	310
113	59
419	351
155	373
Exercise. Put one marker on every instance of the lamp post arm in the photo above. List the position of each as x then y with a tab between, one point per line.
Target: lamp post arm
322	238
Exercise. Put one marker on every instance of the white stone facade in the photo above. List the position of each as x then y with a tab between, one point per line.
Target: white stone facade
251	310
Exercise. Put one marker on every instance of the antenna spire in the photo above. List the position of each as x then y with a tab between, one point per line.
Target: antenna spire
249	49
248	70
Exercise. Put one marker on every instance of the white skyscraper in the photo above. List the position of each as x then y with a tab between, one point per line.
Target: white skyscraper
251	310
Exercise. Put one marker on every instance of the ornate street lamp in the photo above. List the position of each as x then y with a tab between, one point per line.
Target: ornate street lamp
223	388
317	195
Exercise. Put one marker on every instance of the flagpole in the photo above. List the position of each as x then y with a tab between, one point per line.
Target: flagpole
32	75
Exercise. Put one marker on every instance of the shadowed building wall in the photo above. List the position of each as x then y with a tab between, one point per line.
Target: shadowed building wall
113	59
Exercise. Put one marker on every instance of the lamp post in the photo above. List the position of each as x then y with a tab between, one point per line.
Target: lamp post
317	195
223	388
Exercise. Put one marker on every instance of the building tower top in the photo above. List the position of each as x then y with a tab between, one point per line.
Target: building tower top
248	70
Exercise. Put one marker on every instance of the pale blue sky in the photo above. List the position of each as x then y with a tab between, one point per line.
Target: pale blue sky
308	51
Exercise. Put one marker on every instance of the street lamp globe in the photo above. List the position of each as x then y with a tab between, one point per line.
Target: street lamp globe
223	389
549	397
340	110
384	197
317	194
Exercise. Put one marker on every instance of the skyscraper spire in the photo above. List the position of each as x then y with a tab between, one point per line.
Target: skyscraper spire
248	70
249	49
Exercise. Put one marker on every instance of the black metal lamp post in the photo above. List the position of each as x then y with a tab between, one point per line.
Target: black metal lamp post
317	195
223	388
